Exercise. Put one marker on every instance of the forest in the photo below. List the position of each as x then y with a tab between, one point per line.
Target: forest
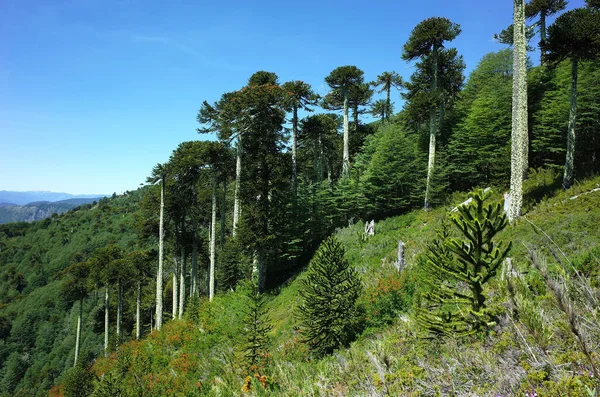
244	266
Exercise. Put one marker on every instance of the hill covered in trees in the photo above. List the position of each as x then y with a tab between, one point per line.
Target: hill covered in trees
39	210
215	279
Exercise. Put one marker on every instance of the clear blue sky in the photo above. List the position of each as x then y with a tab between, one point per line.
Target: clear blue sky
93	93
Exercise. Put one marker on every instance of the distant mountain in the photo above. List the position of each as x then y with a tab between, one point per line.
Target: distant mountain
22	198
39	210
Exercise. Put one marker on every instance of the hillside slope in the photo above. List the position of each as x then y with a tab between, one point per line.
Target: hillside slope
531	350
36	337
39	210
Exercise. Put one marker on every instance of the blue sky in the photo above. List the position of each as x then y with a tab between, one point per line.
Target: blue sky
94	93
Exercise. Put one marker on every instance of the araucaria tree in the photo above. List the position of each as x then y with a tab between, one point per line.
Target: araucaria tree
426	40
458	269
329	315
75	288
261	113
256	329
159	175
341	81
543	9
575	35
519	138
301	96
386	81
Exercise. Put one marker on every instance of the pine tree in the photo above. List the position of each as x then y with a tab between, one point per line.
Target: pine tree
329	315
471	261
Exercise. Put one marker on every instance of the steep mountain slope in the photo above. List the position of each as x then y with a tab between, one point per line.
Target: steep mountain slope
532	349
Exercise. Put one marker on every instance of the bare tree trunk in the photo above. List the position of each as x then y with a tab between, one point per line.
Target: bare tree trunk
78	337
138	311
519	134
542	34
223	209
119	309
194	272
175	290
106	321
159	274
213	238
432	132
569	163
237	210
182	283
346	153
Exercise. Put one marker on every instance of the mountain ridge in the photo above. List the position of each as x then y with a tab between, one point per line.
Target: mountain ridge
27	197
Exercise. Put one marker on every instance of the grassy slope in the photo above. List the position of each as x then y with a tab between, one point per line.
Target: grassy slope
202	356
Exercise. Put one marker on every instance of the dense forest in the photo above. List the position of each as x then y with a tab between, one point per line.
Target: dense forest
244	265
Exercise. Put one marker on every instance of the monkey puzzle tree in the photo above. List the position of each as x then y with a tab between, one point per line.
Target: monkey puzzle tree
158	175
215	156
575	35
317	140
140	262
301	96
458	269
543	8
519	137
102	263
386	81
329	315
261	114
221	118
427	39
342	81
75	288
380	109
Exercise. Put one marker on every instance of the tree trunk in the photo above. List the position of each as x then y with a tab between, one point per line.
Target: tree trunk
262	272
223	209
519	134
175	290
78	337
106	321
119	309
542	34
388	103
213	238
159	274
182	282
138	311
294	144
432	131
569	163
346	153
237	210
194	272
